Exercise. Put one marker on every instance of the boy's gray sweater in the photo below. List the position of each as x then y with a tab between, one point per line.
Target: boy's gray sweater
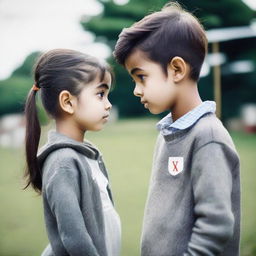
71	198
197	211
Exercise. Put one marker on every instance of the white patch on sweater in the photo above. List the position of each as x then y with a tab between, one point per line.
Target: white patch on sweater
175	165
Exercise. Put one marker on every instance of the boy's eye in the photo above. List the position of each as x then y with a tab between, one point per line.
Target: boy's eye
141	77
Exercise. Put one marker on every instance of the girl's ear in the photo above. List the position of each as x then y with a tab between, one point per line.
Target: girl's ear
67	102
178	68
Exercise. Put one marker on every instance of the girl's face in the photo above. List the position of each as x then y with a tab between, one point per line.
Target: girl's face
92	108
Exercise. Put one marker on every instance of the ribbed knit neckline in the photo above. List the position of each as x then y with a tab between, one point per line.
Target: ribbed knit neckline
178	135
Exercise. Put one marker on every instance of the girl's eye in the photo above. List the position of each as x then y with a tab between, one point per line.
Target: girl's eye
101	94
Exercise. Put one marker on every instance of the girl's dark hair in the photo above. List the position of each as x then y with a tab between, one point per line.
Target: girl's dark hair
163	35
55	71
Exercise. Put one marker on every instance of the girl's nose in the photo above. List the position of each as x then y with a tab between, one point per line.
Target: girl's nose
108	105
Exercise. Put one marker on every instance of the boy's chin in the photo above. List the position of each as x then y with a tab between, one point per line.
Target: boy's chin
155	111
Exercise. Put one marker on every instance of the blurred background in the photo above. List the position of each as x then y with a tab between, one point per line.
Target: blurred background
28	27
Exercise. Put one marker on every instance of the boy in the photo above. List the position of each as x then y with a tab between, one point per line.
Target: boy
193	205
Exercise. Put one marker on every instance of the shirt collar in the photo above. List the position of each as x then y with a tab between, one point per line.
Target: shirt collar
167	126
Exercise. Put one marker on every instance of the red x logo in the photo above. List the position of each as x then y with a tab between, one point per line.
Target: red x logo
175	166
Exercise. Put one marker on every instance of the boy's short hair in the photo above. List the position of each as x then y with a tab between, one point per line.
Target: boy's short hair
163	35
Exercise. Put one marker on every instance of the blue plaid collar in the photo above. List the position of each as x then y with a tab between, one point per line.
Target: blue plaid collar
166	125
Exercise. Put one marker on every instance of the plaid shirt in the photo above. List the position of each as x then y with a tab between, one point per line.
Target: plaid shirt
166	125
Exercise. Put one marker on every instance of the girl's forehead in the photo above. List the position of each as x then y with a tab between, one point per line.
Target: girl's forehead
107	79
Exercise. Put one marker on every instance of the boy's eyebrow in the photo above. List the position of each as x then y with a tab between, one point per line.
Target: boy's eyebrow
134	70
103	86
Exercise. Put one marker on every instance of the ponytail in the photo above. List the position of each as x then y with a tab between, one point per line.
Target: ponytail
33	131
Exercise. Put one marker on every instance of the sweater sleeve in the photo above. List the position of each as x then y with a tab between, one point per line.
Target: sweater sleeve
212	186
63	195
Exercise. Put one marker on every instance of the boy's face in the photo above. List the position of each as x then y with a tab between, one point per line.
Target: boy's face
157	91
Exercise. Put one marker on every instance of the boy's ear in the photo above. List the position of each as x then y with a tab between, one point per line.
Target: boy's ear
179	68
67	102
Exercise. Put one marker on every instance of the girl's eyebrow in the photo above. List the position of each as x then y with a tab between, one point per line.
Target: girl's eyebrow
103	86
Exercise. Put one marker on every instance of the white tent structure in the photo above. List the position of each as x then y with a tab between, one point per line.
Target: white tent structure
216	36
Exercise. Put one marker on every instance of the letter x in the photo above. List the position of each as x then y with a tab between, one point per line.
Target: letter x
175	163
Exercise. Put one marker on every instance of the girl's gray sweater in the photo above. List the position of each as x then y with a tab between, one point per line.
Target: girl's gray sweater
71	198
193	206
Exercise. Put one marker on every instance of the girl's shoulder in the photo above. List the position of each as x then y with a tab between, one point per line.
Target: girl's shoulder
61	146
64	162
58	154
62	155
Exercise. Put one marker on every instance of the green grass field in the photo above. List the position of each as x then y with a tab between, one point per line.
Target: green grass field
127	147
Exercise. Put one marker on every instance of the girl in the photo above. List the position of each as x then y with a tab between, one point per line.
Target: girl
69	173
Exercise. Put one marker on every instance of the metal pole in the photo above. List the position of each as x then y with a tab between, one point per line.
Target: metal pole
217	81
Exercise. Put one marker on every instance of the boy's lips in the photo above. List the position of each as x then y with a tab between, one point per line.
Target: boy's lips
145	103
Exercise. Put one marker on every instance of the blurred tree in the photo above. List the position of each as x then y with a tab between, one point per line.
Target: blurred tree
108	25
26	68
14	90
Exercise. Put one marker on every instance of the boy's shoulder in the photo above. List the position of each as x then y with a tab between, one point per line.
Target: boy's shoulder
209	129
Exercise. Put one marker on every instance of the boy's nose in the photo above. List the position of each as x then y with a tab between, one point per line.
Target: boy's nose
137	91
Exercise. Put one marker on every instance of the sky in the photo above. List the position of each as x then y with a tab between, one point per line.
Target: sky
40	25
32	25
251	3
